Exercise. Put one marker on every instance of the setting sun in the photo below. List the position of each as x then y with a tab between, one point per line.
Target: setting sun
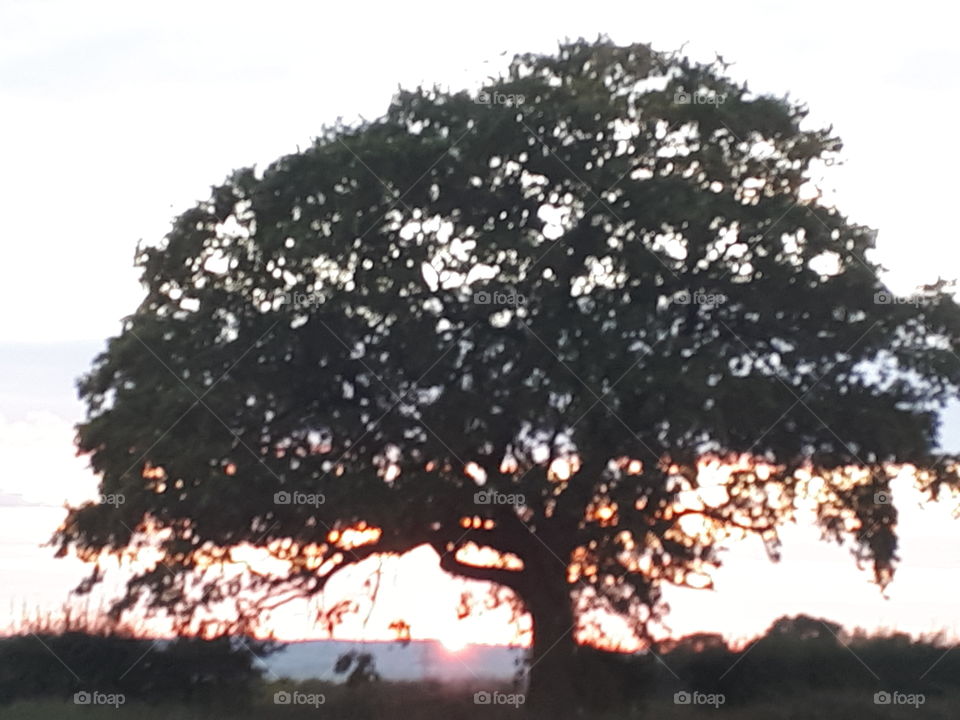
454	642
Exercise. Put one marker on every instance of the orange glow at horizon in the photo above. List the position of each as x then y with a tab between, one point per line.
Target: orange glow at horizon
714	477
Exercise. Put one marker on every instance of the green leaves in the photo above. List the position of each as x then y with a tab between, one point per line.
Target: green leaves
619	265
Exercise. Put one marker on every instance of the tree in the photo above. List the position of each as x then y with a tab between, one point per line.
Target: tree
562	293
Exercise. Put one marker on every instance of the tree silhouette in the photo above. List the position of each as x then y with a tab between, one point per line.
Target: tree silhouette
562	293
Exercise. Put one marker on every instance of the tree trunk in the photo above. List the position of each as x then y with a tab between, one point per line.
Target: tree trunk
553	679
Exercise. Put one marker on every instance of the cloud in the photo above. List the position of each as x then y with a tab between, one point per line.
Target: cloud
17	500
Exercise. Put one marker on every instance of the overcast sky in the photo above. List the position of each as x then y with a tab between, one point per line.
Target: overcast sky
115	117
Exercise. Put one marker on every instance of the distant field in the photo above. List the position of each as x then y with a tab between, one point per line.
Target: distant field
414	702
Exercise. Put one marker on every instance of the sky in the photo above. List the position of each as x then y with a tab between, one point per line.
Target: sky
117	116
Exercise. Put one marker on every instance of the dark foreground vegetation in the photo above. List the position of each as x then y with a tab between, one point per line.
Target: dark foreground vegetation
801	668
430	704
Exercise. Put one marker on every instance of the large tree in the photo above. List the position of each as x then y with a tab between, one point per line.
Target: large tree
568	289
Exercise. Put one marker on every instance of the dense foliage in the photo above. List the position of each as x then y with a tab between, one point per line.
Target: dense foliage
565	292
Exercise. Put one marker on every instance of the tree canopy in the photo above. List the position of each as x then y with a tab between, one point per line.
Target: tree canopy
564	293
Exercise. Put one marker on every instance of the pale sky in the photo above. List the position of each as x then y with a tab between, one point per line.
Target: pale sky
116	117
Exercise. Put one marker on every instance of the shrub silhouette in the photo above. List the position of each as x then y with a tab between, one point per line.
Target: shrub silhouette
185	669
797	656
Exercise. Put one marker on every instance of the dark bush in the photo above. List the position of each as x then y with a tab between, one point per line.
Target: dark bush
189	669
795	657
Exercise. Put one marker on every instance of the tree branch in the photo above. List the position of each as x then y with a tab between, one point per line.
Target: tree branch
512	579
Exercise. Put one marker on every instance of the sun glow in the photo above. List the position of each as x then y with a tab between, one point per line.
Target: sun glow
453	641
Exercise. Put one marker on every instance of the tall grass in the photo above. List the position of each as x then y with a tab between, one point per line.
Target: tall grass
56	655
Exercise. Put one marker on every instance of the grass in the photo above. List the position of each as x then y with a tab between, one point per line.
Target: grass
420	701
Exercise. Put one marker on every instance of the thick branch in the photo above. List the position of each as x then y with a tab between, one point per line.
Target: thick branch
512	579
